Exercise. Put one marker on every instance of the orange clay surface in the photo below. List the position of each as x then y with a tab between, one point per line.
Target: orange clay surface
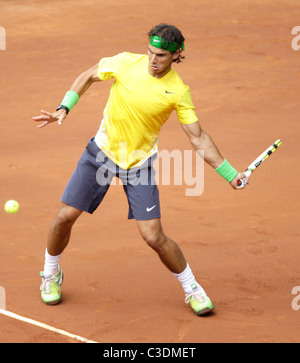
243	246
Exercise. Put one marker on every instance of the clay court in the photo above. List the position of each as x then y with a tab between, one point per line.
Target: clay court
243	246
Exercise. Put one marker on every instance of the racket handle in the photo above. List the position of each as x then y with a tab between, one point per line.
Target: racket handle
242	182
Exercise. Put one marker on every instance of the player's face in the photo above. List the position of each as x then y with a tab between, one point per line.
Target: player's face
160	61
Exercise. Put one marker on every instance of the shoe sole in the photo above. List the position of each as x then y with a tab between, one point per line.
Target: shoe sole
55	302
205	311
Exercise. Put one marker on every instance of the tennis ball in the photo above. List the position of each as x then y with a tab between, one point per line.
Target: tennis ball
11	206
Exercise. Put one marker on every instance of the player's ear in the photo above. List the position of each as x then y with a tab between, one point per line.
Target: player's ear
176	54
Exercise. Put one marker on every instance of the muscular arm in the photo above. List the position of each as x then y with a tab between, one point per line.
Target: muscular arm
80	86
200	140
84	80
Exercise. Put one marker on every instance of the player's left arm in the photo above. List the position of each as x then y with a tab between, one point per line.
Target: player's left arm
200	140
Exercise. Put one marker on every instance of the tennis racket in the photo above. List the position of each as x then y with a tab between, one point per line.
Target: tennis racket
262	157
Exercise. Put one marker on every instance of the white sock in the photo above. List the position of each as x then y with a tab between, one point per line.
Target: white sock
188	281
51	264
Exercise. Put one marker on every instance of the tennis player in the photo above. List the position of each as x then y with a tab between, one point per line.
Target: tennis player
146	90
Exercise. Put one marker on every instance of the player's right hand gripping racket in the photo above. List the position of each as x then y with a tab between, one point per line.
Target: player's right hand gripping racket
262	157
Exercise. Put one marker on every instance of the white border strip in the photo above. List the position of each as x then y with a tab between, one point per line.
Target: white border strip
45	326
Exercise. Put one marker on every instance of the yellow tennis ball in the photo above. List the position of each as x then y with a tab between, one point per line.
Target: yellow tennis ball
11	206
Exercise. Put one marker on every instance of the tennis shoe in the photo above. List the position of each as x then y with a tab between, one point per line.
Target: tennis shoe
50	287
199	301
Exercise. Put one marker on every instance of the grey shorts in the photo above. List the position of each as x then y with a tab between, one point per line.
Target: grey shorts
92	178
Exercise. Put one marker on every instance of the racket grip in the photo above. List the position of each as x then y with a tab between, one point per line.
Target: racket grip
242	182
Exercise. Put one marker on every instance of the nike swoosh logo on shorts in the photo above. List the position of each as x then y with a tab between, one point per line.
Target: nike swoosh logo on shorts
150	209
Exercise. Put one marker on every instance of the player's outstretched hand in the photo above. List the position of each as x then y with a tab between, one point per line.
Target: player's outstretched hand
241	176
48	117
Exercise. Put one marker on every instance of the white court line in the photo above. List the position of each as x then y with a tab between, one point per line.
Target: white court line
45	326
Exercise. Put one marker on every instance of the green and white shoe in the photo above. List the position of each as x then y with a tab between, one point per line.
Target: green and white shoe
199	301
50	288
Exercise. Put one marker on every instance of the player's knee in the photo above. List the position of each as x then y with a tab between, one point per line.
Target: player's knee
155	240
63	221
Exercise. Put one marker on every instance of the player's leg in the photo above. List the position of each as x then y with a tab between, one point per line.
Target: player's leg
167	250
144	206
84	192
173	258
60	229
58	239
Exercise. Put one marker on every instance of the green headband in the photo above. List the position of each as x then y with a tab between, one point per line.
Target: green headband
158	42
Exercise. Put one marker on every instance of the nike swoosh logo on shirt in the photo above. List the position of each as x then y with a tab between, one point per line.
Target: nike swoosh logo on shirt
150	209
170	92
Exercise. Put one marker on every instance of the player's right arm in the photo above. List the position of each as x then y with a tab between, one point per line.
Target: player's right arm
79	86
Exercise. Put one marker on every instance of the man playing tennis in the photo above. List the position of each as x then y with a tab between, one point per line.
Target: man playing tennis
145	92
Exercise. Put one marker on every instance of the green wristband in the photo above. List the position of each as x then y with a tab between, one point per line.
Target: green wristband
70	100
227	171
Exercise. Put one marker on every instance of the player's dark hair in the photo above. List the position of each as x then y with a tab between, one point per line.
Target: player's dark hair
169	33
